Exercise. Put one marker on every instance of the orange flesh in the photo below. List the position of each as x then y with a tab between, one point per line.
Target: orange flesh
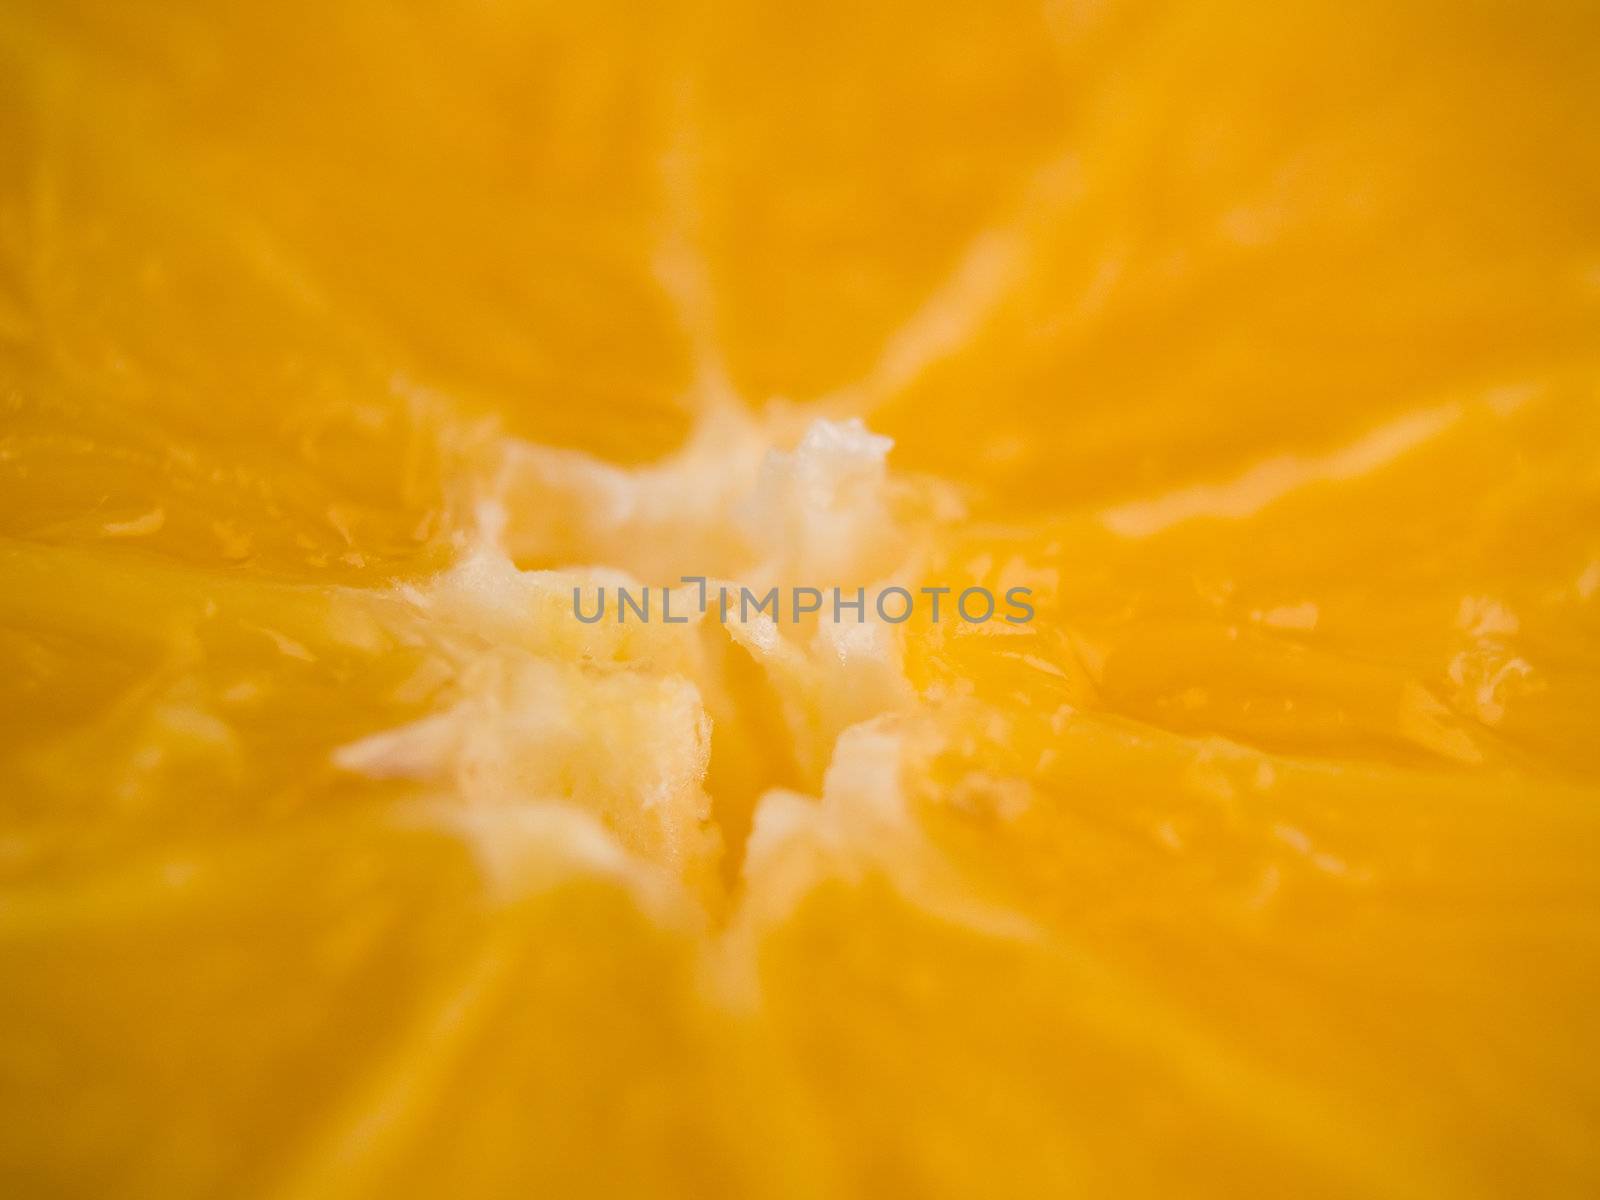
339	342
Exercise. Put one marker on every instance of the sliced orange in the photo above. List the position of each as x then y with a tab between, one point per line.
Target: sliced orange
340	345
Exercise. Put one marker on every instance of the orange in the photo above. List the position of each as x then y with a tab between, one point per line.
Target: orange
340	343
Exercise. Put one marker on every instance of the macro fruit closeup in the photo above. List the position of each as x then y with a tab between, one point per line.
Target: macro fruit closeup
344	346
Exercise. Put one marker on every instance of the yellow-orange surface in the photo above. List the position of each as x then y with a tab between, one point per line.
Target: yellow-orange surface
340	340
